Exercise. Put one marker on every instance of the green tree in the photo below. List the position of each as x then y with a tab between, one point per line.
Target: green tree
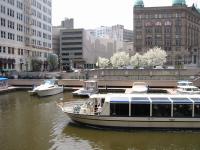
36	64
52	62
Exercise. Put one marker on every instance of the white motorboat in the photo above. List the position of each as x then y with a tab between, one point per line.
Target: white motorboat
187	87
47	88
136	111
44	85
89	87
138	87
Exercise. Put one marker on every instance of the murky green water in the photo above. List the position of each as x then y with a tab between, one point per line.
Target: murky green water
32	123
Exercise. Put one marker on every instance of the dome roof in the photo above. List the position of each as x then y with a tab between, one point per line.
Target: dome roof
178	2
138	3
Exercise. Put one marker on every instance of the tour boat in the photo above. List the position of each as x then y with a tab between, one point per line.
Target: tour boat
138	87
89	87
136	111
48	87
187	87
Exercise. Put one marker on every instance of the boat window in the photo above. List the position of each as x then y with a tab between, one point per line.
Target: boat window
197	110
161	110
182	110
117	109
196	107
140	110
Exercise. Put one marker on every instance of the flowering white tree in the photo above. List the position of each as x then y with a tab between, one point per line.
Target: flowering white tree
102	62
155	57
137	61
120	59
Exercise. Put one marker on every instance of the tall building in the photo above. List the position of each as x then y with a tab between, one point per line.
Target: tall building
176	29
25	33
67	23
116	32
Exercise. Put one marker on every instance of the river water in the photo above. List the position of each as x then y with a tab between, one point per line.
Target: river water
33	123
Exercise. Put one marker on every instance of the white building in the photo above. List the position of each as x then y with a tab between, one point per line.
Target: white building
25	33
116	32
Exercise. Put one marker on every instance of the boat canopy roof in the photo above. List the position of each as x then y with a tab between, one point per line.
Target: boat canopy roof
3	79
184	81
150	98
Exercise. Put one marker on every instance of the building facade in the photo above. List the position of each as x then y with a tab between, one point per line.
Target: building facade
25	33
67	23
80	48
116	32
176	29
71	48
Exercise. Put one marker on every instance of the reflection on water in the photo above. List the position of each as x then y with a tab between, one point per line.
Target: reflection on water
33	123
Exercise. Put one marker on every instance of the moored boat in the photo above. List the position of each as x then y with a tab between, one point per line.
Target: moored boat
136	111
89	87
47	88
187	87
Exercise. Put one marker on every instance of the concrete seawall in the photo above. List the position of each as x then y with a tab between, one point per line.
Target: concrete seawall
70	83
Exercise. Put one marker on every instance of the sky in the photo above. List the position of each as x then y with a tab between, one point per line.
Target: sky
90	14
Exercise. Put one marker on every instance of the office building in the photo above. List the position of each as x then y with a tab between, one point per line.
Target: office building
176	29
25	33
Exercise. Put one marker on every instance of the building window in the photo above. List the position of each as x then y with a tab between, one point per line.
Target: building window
3	9
4	49
3	22
3	34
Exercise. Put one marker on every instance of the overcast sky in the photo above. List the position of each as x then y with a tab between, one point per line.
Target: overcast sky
90	14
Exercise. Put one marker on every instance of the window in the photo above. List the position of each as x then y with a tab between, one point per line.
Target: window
3	22
161	107
9	50
140	107
182	107
119	106
4	49
196	107
161	110
3	34
182	110
3	9
119	109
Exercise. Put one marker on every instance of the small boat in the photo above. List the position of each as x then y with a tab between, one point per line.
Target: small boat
3	83
43	85
187	87
136	111
48	87
138	87
89	87
50	90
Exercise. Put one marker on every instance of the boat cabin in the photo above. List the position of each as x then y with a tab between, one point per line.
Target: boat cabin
90	85
150	105
184	83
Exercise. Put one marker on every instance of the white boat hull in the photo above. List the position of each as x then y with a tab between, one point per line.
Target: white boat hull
50	91
133	122
83	93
